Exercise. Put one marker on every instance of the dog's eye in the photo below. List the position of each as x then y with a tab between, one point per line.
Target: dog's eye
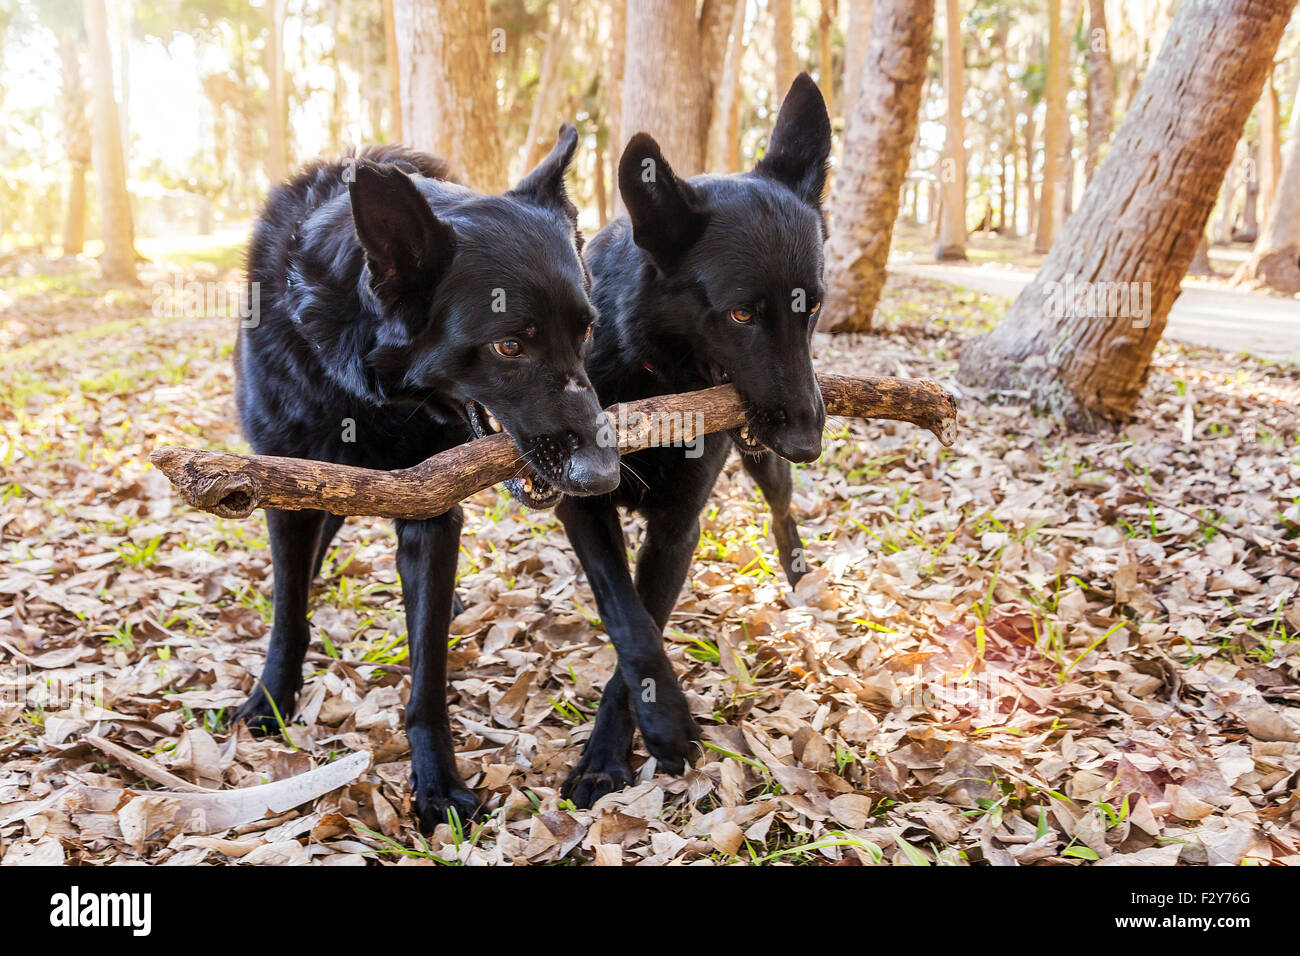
586	336
509	348
743	316
815	309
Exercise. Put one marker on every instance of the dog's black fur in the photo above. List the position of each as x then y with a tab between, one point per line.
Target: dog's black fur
387	298
674	283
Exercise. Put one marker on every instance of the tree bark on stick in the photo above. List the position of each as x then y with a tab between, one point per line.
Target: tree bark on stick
877	149
234	485
1076	341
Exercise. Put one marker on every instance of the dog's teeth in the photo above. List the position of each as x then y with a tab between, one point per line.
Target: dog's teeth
493	423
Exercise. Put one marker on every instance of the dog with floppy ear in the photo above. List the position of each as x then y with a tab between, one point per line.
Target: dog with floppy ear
707	280
400	315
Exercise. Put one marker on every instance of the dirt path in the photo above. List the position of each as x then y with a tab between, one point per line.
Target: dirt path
1262	325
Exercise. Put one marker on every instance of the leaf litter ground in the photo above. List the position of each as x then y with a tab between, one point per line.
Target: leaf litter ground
1032	648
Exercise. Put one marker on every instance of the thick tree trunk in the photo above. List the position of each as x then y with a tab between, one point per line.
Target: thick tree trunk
277	155
1275	262
1051	199
856	37
234	485
877	150
783	45
448	94
1101	86
550	88
952	167
1079	339
393	74
76	143
118	259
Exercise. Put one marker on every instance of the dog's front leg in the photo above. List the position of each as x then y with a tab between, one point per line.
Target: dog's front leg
648	681
426	563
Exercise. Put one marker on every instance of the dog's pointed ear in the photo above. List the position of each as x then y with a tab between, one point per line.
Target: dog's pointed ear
667	214
801	142
407	247
545	184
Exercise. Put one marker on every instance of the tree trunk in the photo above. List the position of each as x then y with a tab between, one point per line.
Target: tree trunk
1031	150
1227	196
1101	86
783	45
952	168
118	259
1275	262
1079	339
614	94
1051	199
673	63
393	73
277	155
856	38
1249	230
724	125
550	88
1270	147
1200	264
76	142
826	36
448	87
877	151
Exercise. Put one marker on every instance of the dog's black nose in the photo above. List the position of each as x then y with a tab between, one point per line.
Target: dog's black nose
592	470
799	447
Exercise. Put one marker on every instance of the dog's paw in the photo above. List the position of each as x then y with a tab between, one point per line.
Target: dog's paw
259	716
595	776
667	727
433	803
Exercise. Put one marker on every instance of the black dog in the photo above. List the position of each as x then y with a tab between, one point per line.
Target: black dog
715	279
399	315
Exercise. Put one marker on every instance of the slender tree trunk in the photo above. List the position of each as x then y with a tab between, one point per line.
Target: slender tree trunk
598	167
877	150
1079	338
724	125
952	168
393	74
1275	262
856	37
1031	150
1228	196
277	156
826	34
118	259
1270	146
1249	230
1101	86
550	88
76	143
614	93
1200	264
1051	202
448	94
783	45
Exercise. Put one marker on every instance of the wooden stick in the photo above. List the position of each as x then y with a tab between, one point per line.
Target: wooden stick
234	485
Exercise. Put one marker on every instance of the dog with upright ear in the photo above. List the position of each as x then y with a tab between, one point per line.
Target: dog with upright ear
408	249
545	184
666	212
800	146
